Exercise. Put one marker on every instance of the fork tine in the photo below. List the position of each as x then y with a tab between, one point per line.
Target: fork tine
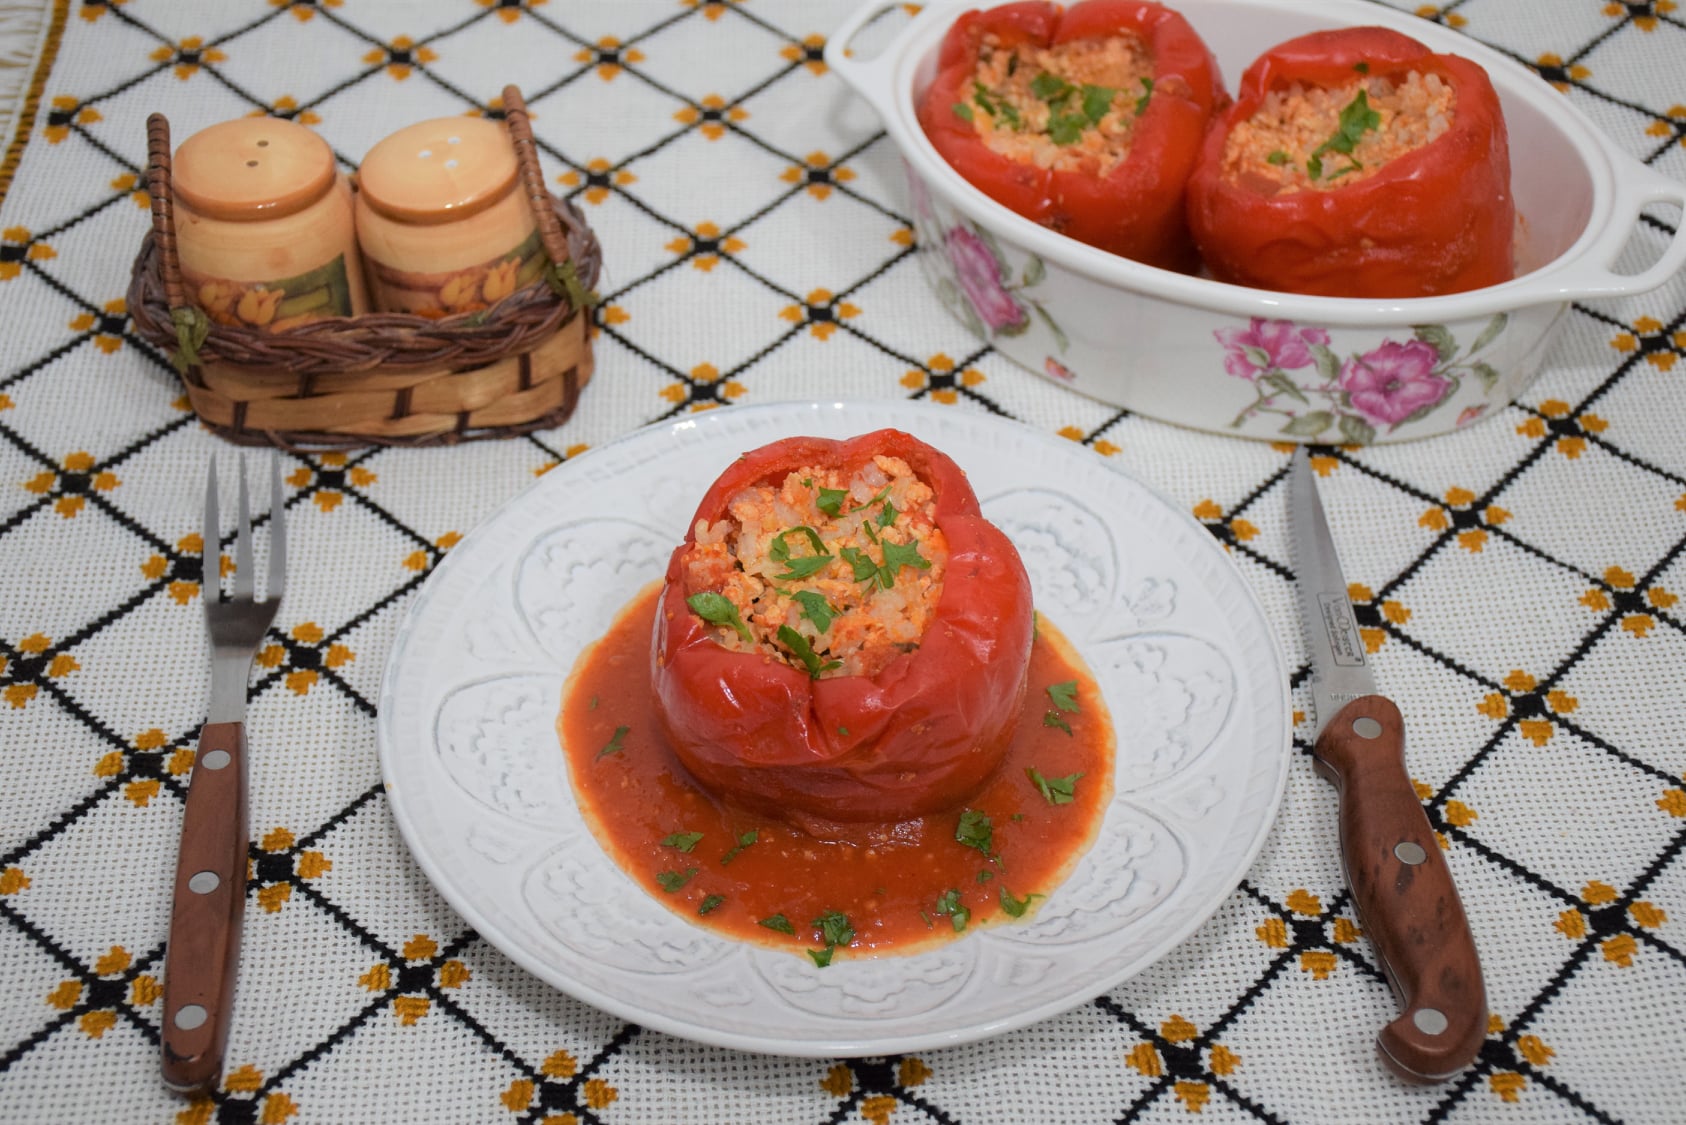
243	565
277	531
211	551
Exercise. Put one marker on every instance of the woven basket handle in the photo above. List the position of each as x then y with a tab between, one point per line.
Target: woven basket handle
163	206
568	282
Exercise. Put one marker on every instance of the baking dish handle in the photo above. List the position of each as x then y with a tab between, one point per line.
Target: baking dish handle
872	78
1637	186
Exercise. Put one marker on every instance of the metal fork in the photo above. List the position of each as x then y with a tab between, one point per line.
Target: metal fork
203	955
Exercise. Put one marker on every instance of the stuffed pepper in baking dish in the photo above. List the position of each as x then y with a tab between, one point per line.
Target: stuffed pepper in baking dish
842	633
1086	120
1357	163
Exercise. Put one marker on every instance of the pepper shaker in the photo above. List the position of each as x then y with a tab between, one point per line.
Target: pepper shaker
441	219
264	225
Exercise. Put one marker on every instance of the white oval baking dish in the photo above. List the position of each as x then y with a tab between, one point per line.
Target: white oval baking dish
1274	366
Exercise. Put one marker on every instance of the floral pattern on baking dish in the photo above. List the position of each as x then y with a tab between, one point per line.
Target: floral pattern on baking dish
1318	394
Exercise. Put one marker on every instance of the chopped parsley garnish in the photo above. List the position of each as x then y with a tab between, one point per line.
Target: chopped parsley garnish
778	922
834	930
613	746
1278	157
1064	696
800	566
898	555
672	880
803	651
815	608
1147	92
744	841
710	903
1356	120
1050	88
949	904
962	111
592	706
831	499
684	841
717	609
1066	128
1055	790
981	99
985	875
1361	67
1096	101
886	515
1014	907
976	831
865	569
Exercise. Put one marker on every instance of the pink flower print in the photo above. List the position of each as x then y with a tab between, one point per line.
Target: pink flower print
979	275
1058	370
1268	345
1395	381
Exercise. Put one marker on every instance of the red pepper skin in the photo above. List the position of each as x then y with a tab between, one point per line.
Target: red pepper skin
1136	210
1438	219
921	736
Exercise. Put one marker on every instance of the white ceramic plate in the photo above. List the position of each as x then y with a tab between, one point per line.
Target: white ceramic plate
479	786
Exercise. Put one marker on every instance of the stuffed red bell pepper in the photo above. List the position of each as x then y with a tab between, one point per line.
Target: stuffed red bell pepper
1086	120
1357	163
842	634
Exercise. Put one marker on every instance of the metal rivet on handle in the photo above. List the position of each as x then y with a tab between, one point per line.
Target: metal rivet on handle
1430	1021
216	759
1366	727
1409	852
203	882
190	1016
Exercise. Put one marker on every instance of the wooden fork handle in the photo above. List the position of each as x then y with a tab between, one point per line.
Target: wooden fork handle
203	955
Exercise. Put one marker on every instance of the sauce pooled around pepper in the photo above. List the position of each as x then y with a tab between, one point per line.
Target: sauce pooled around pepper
864	887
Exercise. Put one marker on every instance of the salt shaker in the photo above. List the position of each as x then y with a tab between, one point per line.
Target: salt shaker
264	227
441	219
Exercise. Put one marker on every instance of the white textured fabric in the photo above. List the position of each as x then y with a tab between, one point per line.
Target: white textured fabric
1536	645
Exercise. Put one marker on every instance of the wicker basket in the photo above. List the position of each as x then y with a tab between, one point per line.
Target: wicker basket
381	378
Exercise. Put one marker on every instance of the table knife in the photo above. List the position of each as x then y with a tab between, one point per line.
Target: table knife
1401	883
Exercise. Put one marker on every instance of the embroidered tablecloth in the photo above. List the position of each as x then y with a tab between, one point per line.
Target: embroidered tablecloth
1518	584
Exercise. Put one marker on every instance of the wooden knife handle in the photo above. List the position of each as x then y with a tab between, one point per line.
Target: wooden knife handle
203	955
1403	889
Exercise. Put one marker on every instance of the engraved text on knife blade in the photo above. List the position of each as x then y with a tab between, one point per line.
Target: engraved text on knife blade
1346	647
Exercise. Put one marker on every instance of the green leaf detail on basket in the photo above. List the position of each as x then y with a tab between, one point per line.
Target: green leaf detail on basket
192	326
564	281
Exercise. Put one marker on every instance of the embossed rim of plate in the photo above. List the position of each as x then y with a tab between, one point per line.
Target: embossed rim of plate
769	422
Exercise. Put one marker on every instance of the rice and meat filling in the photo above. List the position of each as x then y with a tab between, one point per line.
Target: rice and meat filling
1321	139
835	572
1070	107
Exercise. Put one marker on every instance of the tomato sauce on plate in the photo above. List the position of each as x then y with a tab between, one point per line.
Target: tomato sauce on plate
856	889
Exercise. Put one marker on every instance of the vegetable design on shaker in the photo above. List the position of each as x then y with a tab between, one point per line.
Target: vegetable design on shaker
1405	194
1393	384
804	720
1086	120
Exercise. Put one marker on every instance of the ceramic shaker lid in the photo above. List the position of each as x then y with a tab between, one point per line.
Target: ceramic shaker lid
252	168
439	171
